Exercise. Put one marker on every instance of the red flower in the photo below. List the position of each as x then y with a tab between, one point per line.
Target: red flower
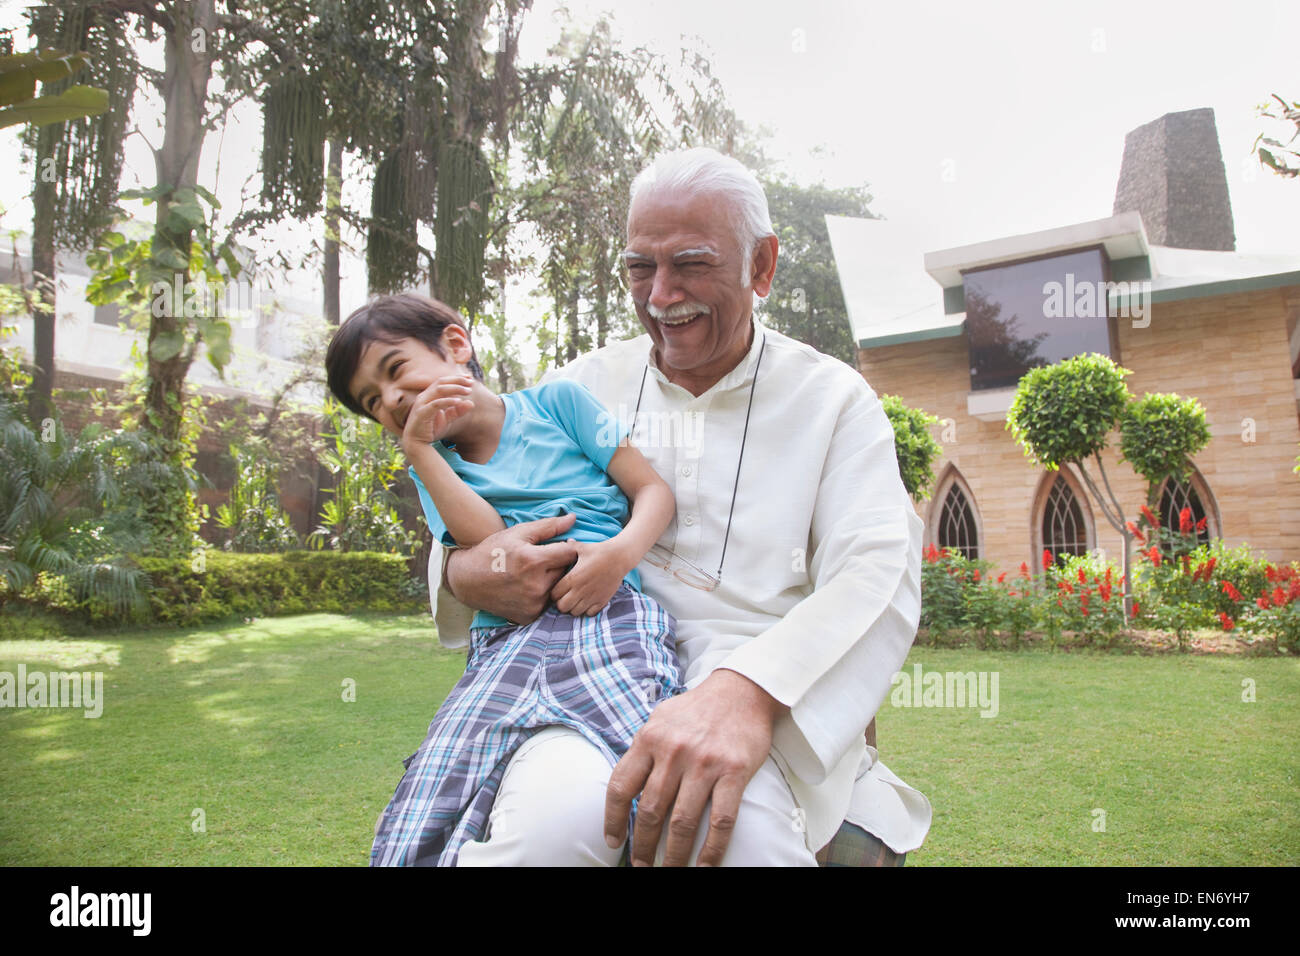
1200	525
1024	569
1136	610
1104	591
1133	530
975	574
1083	578
1047	560
1154	556
1064	586
1270	572
1185	521
1209	567
1262	602
1228	623
1232	592
1279	597
1108	577
1011	592
1084	610
1187	564
1002	577
1151	519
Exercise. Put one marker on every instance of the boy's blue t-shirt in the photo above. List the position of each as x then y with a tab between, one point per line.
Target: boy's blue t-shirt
556	442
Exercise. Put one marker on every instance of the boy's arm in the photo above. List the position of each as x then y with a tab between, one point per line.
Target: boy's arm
601	566
468	517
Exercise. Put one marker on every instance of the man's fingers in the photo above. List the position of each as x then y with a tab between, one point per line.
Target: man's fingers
543	529
727	793
626	781
652	812
558	556
684	824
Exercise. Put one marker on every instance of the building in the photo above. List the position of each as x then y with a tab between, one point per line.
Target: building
1159	288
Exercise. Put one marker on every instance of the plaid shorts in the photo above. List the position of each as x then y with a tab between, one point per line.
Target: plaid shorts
599	675
854	846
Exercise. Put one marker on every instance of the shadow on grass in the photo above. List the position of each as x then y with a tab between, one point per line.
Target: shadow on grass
272	742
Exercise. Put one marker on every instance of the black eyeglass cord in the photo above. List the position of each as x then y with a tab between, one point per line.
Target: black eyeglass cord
743	437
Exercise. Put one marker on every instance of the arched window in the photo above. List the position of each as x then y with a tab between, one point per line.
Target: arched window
955	523
1177	493
1064	527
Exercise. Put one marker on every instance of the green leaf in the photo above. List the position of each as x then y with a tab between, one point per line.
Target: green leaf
73	103
171	258
167	346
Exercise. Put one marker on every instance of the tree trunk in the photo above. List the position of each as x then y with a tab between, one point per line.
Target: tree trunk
40	402
333	200
185	89
602	303
571	346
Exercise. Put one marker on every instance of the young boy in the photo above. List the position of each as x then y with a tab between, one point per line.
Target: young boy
603	654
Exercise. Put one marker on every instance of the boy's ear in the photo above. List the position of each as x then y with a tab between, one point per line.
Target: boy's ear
455	341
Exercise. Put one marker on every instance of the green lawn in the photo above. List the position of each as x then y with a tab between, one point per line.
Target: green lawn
249	725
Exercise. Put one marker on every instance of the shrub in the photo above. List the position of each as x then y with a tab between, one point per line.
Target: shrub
219	584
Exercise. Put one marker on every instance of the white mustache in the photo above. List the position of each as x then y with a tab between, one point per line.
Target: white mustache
679	311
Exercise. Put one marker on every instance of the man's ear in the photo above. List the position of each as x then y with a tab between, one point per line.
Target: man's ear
763	266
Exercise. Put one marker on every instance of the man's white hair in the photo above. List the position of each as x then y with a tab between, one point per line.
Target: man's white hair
702	170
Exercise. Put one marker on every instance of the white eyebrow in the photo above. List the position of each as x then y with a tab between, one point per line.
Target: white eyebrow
701	251
629	255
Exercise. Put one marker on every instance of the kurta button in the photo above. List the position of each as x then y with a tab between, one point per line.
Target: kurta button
688	520
686	471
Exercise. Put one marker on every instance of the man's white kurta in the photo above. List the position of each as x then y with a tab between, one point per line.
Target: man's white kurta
820	592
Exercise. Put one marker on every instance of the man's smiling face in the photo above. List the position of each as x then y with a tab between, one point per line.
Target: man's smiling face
684	267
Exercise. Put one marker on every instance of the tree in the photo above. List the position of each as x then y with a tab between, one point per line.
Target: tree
1160	434
77	146
590	119
1064	413
1278	162
807	302
914	444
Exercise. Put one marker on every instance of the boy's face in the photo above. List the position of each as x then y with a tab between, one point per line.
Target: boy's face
390	375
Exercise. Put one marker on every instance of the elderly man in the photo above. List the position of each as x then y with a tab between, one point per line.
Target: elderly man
793	569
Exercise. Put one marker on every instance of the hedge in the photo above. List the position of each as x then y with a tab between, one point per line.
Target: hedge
230	584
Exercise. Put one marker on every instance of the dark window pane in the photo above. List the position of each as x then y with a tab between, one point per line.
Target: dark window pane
957	524
1064	531
1176	495
1034	313
110	314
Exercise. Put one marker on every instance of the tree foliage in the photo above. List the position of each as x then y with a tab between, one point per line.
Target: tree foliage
914	444
1281	157
807	302
1062	413
1160	433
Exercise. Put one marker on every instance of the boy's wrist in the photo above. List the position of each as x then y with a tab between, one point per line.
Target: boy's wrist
621	554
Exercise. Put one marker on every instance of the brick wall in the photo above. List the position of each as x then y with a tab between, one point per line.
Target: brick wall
1231	352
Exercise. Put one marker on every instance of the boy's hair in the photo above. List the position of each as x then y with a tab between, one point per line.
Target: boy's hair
388	318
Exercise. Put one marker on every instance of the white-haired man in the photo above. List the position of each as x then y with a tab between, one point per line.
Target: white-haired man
793	569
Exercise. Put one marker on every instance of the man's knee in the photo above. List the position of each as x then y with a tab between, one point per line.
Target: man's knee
550	809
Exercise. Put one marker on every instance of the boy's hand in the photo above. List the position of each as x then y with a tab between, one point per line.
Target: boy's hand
437	407
590	583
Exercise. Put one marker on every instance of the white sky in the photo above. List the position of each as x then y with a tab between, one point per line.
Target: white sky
1024	105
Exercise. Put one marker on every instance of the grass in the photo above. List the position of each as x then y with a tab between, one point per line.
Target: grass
248	724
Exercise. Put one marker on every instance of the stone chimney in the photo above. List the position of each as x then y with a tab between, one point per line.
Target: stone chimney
1173	176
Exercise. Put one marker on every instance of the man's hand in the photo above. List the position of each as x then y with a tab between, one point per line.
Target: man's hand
589	585
508	573
703	745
